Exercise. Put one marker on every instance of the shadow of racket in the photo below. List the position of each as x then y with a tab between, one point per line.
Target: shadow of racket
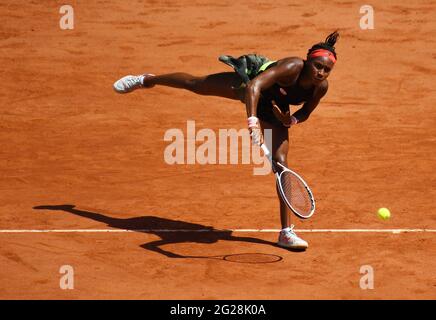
250	258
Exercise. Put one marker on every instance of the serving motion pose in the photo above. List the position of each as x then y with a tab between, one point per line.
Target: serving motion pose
267	88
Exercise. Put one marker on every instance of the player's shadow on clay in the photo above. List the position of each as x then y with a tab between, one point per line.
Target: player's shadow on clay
192	232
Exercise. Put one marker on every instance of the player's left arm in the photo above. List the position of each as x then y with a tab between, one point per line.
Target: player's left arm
304	112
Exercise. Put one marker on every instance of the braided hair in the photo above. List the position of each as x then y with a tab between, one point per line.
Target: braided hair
328	44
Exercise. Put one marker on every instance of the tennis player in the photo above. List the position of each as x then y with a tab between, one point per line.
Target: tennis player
267	88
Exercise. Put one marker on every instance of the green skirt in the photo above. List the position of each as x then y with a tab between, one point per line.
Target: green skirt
247	66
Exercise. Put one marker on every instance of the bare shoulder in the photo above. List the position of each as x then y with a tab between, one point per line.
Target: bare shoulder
285	73
289	69
291	63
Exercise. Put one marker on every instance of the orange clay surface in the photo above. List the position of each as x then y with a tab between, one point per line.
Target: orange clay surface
68	139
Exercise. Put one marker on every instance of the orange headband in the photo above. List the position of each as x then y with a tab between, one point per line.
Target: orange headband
323	53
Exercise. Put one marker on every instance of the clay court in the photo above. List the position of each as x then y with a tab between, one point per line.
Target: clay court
76	157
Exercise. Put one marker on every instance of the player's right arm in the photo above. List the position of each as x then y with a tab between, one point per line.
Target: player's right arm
286	71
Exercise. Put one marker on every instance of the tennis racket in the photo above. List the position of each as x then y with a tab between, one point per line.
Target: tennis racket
292	188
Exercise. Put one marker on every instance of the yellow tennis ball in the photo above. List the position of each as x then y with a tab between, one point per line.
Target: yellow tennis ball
384	213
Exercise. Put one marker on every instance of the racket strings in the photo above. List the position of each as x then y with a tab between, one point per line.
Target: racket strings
295	192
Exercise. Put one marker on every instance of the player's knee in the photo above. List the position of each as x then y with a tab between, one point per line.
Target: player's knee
194	85
281	158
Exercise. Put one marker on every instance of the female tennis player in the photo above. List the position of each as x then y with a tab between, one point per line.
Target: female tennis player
267	88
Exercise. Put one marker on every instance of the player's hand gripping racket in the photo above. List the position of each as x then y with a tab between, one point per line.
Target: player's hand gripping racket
292	188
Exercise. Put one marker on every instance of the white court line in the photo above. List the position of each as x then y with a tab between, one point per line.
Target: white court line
217	230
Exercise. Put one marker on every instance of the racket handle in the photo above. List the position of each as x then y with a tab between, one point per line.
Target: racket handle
266	151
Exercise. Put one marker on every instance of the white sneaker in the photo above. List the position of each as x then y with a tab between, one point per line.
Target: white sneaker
130	83
288	239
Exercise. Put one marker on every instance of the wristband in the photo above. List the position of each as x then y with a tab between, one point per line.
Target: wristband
252	121
294	120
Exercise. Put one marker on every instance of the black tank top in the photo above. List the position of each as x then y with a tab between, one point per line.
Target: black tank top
293	95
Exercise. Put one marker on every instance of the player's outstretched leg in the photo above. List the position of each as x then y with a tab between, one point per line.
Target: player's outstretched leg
225	84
